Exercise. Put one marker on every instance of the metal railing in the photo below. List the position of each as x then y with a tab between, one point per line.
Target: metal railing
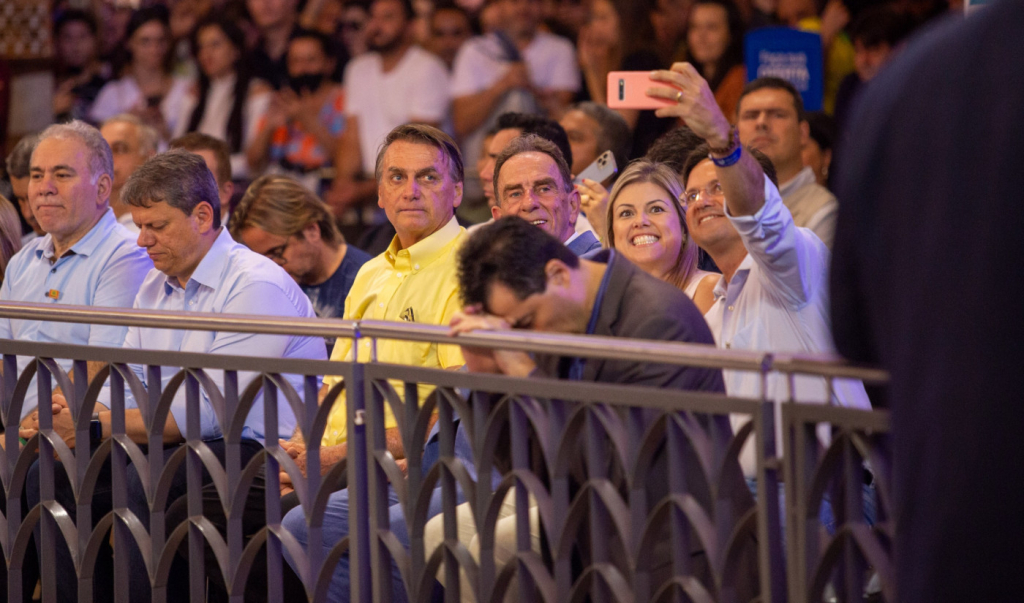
618	493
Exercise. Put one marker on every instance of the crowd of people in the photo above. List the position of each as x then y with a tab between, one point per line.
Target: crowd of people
212	158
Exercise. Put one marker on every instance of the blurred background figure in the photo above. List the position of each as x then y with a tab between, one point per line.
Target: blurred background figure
185	14
79	75
352	26
714	40
275	20
829	22
146	88
298	133
876	35
217	155
593	129
225	102
10	234
113	17
132	143
450	27
519	68
620	36
18	164
817	151
417	85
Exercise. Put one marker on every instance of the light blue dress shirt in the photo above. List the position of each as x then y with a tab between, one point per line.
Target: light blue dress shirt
104	268
230	279
778	301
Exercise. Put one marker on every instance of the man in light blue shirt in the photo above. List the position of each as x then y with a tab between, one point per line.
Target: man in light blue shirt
199	268
86	258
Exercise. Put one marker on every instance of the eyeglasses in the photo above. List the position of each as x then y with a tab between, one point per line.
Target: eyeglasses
712	190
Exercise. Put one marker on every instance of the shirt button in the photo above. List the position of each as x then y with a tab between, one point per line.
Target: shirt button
192	303
53	271
380	305
417	267
729	308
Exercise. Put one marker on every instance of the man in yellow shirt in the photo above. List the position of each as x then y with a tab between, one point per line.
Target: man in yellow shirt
419	183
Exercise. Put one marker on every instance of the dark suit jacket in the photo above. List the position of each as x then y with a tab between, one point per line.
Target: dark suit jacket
926	280
639	306
585	243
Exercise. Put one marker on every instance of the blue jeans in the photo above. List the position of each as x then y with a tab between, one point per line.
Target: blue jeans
335	528
825	514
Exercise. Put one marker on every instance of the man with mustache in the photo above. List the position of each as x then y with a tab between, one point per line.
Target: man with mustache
772	120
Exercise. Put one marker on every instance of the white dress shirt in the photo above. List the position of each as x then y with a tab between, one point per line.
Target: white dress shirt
778	301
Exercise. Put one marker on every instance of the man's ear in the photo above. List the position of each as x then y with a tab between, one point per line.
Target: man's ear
458	195
557	274
203	213
574	205
104	184
311	232
496	212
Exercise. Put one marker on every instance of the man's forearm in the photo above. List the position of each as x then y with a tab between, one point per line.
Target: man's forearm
259	149
135	427
470	112
743	185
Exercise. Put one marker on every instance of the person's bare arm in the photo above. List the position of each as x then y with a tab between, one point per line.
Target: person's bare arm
258	153
743	181
470	112
135	428
348	189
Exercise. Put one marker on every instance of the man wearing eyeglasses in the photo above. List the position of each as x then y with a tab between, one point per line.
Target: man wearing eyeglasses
283	220
773	294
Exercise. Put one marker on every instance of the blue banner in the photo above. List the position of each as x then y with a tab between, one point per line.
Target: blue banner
790	54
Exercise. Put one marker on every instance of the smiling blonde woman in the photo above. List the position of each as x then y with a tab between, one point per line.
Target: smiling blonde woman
647	225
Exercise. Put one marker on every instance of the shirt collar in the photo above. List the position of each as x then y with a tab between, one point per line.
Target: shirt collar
575	235
802	179
427	250
211	267
86	245
722	287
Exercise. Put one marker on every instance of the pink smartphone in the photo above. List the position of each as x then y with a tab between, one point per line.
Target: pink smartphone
628	90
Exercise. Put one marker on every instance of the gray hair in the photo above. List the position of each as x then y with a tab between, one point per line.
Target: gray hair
101	159
19	162
147	134
428	135
531	143
613	132
178	178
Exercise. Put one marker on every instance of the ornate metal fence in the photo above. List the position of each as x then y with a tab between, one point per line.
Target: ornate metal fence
539	489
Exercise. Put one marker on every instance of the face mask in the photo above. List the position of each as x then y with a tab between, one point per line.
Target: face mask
307	81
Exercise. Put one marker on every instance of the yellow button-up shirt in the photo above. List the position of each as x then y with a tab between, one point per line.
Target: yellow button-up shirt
418	284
